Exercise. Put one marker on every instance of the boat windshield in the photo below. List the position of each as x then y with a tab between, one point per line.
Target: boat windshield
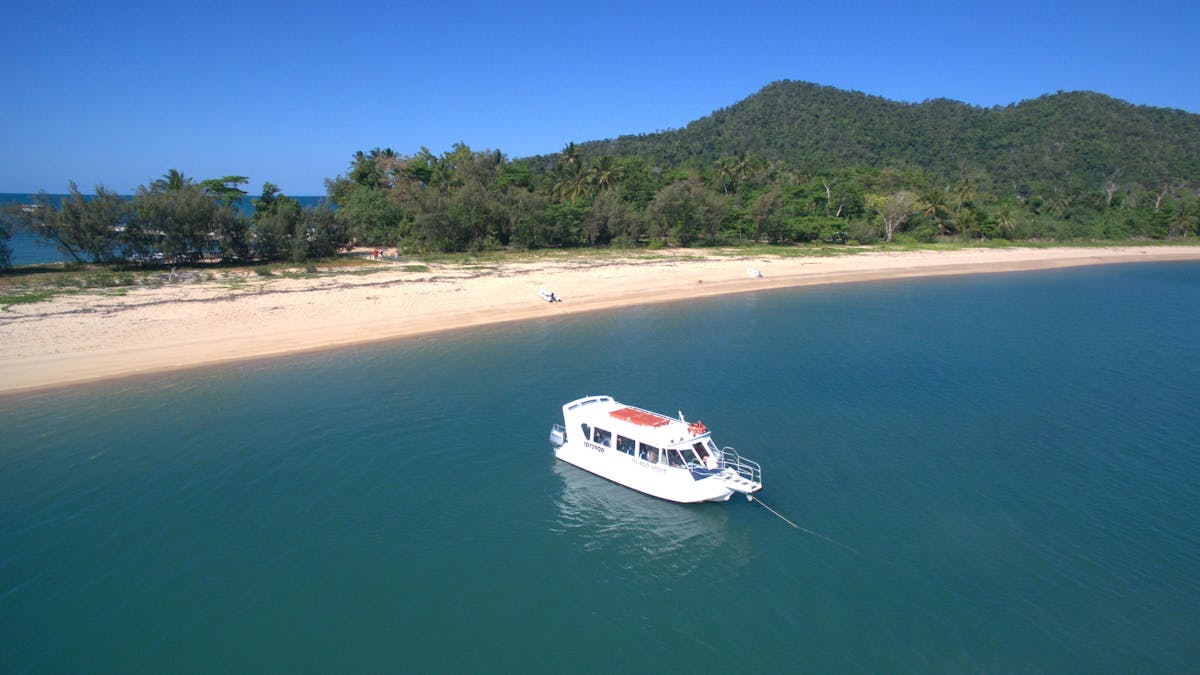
683	457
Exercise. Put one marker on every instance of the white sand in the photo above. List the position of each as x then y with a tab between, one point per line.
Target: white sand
92	336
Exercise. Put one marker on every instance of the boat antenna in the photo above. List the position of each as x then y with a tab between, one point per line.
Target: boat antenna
802	529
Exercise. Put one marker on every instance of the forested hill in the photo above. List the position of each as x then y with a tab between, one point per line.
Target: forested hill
794	163
1065	140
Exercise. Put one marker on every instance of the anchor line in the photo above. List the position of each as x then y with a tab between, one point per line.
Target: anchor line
802	529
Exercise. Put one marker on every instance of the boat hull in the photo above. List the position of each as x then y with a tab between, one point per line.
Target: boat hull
656	480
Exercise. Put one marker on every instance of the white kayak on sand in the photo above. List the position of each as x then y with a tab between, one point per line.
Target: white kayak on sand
548	296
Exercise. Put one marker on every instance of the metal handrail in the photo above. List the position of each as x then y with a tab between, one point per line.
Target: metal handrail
746	468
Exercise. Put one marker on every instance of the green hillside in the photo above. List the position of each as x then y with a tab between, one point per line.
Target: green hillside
794	163
1067	140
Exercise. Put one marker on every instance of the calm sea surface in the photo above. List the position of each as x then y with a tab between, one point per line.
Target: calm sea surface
997	473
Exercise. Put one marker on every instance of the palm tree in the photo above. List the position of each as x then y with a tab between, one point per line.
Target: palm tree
933	204
172	181
730	172
1005	222
1059	202
604	173
1180	221
964	192
570	155
723	174
574	182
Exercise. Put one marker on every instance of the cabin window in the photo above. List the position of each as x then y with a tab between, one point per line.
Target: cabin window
700	451
674	459
650	453
625	445
689	457
587	431
603	437
712	447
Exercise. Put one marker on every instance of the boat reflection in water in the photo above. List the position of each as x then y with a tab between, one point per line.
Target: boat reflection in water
609	517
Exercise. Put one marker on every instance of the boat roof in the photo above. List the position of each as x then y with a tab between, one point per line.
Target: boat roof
633	422
643	418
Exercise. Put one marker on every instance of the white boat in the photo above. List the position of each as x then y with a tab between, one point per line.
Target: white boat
548	296
751	272
661	456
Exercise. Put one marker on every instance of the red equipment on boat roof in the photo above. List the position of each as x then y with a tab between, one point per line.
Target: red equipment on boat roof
639	417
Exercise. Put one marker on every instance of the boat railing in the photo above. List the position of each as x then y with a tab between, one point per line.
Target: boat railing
746	468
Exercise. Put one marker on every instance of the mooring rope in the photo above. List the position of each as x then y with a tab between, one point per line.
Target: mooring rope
802	529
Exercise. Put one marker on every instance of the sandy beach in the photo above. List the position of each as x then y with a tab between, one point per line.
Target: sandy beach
194	320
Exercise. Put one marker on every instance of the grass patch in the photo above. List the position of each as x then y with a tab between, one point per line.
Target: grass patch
26	298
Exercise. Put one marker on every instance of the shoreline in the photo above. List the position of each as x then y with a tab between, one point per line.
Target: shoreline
101	335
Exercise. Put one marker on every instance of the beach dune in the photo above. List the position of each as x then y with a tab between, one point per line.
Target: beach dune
191	322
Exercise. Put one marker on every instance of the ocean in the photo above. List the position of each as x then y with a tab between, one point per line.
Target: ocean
993	473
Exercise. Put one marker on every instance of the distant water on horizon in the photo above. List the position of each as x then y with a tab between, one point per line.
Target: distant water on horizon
996	473
28	249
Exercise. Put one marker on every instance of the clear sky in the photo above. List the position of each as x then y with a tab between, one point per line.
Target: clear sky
117	93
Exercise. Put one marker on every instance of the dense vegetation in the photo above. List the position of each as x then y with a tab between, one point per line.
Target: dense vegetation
796	162
175	220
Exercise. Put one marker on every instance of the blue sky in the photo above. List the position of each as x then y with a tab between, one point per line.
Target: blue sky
118	93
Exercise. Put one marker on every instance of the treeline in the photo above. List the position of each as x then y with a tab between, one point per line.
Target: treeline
794	163
800	163
469	200
175	220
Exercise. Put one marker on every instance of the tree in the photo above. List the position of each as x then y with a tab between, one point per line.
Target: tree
86	230
964	193
574	182
764	212
276	218
530	221
225	190
610	218
932	203
728	173
605	173
893	210
1005	221
685	210
1182	219
171	181
6	230
317	234
178	225
966	221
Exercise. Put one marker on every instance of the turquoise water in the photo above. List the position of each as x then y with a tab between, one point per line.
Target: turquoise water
1001	471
